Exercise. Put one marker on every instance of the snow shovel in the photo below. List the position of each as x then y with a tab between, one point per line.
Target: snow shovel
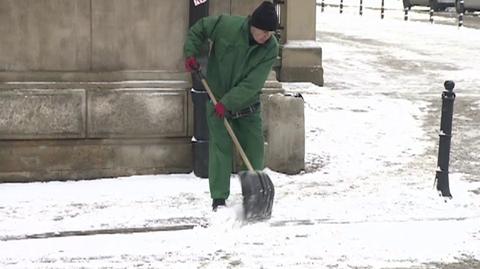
257	188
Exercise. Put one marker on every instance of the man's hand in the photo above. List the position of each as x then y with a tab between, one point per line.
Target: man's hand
191	64
220	110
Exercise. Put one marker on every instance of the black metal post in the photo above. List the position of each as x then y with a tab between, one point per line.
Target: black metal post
405	17
382	10
361	7
198	10
441	177
323	5
341	6
431	15
460	15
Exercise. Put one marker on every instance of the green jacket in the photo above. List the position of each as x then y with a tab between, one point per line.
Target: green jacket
236	71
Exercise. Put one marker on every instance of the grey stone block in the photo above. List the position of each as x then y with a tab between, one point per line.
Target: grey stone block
92	35
44	35
96	79
41	114
302	62
301	54
285	137
233	7
137	113
46	160
302	74
138	35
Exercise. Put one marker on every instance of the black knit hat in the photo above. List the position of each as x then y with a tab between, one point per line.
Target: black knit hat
265	17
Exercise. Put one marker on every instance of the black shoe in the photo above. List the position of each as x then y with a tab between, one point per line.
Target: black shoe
217	202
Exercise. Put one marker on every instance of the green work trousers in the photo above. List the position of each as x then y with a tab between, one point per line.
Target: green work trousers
249	132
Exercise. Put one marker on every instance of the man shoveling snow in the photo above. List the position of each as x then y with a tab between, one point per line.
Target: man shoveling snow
243	50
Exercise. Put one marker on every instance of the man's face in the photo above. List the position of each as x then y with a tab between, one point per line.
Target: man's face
260	36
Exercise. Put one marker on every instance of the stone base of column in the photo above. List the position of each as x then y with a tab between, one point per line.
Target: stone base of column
302	62
82	130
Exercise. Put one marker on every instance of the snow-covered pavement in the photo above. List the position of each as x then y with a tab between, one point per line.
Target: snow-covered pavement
365	200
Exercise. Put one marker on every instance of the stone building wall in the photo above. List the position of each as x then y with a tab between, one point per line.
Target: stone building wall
96	88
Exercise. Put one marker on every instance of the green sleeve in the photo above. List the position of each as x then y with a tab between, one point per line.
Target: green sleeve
202	30
251	86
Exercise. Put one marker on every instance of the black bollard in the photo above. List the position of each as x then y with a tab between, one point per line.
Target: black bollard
323	5
441	177
382	10
431	15
197	11
341	6
460	14
405	17
361	7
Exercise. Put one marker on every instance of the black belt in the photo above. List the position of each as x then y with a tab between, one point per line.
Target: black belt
244	112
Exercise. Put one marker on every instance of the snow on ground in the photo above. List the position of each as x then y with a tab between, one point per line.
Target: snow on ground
365	200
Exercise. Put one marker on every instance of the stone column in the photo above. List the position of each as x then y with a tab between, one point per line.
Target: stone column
301	54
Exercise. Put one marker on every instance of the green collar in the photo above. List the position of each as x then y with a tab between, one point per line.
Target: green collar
246	31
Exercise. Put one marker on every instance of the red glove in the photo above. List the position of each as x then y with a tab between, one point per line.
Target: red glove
191	64
220	110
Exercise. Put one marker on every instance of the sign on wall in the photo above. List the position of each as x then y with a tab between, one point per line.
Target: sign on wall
199	2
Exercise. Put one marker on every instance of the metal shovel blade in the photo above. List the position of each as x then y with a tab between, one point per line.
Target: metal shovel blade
258	193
